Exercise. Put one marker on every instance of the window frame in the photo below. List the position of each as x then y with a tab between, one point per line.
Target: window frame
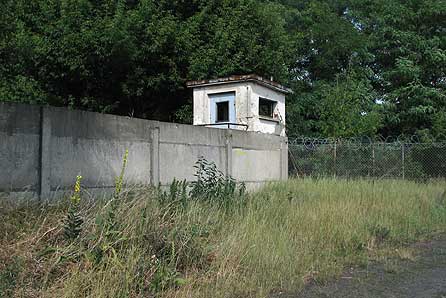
216	97
272	107
217	104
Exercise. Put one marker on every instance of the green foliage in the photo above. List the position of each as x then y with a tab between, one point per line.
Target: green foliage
119	180
132	57
106	221
73	221
229	43
348	108
356	67
410	60
178	193
397	49
164	278
184	114
380	233
212	185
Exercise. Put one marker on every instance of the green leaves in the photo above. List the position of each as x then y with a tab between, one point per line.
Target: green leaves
396	51
73	221
213	186
73	224
239	37
134	57
348	108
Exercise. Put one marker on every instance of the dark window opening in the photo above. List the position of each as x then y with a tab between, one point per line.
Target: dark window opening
266	107
223	111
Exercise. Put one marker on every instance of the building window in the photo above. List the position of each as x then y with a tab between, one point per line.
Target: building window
223	111
266	107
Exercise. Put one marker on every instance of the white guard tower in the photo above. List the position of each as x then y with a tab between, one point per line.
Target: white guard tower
245	102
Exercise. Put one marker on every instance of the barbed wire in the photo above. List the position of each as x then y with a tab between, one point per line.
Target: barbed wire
358	143
404	157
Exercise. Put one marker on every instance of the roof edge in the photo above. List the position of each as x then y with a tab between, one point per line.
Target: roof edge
240	78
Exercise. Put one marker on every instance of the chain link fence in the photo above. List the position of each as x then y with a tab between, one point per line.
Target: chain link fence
367	158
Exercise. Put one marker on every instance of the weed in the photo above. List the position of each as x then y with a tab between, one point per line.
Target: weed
164	277
177	193
212	185
107	223
441	200
73	221
119	180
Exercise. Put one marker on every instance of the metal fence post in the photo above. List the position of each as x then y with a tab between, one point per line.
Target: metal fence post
334	158
284	158
402	159
373	160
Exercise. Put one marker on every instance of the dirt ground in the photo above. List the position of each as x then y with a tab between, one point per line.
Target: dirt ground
423	277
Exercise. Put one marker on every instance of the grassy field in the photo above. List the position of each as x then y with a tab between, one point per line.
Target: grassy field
278	238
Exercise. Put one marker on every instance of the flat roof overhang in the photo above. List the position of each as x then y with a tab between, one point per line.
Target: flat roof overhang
239	79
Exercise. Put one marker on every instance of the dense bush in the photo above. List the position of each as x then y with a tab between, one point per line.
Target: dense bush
356	67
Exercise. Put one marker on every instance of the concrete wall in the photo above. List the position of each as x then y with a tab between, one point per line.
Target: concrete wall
44	148
247	96
19	148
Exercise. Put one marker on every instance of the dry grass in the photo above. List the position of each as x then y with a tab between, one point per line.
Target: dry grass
286	235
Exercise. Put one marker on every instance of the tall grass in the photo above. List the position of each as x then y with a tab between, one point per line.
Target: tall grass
300	230
281	237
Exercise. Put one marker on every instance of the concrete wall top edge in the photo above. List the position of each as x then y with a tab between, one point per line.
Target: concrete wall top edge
90	125
18	118
256	140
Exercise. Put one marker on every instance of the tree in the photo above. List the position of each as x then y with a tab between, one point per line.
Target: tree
409	46
348	61
330	51
239	36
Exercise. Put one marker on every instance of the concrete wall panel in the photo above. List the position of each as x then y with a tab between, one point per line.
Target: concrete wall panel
93	145
178	160
19	147
255	165
98	161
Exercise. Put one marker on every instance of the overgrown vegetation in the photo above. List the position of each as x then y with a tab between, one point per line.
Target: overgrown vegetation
356	67
185	242
211	186
73	222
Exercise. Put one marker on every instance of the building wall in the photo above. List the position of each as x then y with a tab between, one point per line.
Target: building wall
246	106
263	125
44	148
202	107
